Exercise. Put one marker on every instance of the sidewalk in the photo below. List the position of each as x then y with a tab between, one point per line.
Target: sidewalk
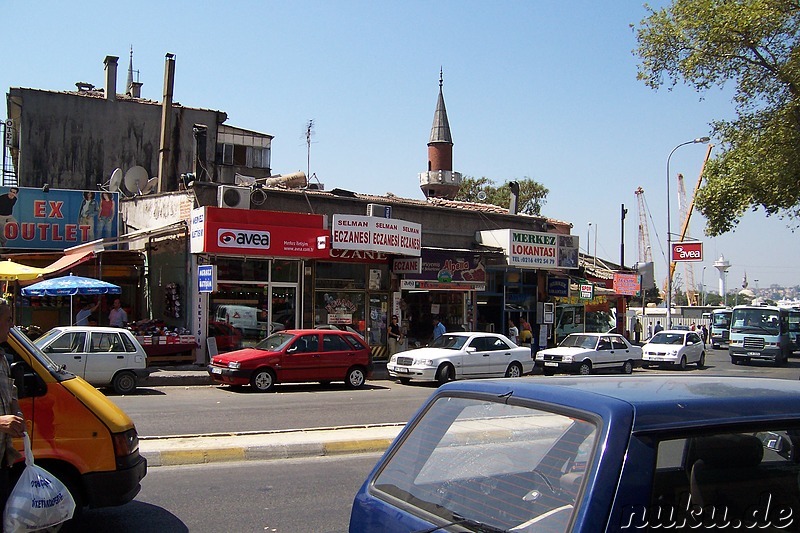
259	446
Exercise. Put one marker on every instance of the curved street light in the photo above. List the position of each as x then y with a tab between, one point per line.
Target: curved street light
669	232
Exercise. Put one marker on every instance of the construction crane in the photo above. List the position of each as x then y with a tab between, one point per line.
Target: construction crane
688	267
645	252
685	224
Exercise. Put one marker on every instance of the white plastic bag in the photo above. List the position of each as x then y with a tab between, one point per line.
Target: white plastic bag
39	500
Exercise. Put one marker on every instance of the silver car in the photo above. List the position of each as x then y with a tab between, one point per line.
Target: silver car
674	347
583	353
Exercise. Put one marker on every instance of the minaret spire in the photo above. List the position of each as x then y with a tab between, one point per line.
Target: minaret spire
440	180
129	87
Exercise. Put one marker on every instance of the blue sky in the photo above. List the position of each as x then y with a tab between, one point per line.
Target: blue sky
538	89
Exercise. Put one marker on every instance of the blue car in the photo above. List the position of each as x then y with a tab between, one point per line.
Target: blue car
592	454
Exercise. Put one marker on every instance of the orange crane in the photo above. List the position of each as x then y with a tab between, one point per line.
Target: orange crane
645	253
685	225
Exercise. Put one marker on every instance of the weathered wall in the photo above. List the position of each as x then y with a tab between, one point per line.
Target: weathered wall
75	141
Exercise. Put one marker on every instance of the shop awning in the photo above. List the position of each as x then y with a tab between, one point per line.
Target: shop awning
69	260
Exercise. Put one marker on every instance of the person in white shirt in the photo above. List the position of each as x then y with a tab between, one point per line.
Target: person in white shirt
513	332
117	317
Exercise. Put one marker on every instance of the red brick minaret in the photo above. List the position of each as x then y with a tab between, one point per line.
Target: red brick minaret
440	180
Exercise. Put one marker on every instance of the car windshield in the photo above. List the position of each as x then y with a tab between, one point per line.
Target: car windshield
47	337
579	341
721	320
275	342
521	469
667	338
449	342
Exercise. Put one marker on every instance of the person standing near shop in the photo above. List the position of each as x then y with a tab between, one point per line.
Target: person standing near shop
12	423
438	328
395	336
637	332
117	317
513	332
82	318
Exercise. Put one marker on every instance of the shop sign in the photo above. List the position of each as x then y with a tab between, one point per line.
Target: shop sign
535	250
359	256
206	278
258	233
626	284
687	251
587	291
56	219
391	235
340	318
407	265
557	286
452	265
421	284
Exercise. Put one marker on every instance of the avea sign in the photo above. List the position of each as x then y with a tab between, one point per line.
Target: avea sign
237	238
687	251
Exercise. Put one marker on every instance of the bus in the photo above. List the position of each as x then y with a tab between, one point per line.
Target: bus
720	327
794	328
759	332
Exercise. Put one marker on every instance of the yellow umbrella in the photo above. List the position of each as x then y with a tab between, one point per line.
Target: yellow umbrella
10	271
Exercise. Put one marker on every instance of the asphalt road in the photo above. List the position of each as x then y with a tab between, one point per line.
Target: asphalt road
284	496
214	409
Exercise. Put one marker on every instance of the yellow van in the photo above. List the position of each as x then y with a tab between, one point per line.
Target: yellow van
76	433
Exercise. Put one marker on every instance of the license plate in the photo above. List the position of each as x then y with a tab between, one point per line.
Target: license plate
550	363
215	370
753	353
402	370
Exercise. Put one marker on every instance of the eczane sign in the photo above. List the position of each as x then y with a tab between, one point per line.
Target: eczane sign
687	251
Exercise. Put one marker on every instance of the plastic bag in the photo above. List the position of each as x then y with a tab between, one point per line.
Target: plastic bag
39	500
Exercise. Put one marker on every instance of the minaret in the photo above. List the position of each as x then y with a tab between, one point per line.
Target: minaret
723	265
133	88
440	180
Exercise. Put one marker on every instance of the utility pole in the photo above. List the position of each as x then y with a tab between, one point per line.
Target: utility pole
623	212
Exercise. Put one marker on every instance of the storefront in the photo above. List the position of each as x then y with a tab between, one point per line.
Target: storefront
259	259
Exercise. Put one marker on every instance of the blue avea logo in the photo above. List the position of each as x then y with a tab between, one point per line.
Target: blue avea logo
230	238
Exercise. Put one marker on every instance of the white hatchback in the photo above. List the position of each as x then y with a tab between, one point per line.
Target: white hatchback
674	347
105	357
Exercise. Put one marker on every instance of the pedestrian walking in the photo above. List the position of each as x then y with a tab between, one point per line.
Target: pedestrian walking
658	327
395	336
704	333
637	332
438	328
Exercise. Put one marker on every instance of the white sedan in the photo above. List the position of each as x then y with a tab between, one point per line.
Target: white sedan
675	347
585	352
462	355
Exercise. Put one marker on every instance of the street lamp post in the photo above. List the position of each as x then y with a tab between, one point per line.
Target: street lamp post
669	233
703	285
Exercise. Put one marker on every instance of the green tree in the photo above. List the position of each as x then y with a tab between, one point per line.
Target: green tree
752	44
532	195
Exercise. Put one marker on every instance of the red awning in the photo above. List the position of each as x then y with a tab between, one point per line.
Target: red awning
68	261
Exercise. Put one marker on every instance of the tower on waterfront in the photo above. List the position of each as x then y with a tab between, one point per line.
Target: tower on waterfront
722	265
440	180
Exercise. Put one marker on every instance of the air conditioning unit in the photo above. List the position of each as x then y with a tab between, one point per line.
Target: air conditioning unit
233	197
378	210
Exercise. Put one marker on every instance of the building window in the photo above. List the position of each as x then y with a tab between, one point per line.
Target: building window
257	157
224	154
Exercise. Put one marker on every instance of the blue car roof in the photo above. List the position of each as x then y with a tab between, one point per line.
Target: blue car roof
658	402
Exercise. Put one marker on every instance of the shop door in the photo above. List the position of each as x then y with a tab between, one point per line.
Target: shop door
378	313
284	307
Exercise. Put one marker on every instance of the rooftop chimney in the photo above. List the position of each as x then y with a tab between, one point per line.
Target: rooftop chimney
111	77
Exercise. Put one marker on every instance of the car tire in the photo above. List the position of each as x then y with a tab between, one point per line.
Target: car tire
445	373
682	363
263	380
585	369
701	363
124	382
627	367
548	372
356	378
404	381
514	370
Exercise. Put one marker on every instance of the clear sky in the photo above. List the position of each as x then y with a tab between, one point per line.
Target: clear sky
543	89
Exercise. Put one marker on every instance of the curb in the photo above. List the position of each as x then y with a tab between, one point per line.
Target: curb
203	449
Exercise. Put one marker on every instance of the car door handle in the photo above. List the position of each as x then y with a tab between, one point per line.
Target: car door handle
487	354
120	357
77	357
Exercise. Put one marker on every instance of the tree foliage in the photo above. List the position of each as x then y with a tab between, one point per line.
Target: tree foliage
752	44
532	195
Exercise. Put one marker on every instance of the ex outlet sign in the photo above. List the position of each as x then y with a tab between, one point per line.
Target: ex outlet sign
687	251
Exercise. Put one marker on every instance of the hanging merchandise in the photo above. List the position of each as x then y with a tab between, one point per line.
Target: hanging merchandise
172	300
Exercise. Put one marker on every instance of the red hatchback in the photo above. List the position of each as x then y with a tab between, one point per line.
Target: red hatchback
294	356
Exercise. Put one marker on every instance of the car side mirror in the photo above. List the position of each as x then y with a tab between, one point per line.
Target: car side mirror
471	349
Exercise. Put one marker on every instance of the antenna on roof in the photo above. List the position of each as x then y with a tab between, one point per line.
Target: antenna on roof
309	134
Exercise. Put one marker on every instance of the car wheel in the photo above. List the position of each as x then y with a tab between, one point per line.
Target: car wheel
355	378
627	367
263	380
124	382
585	369
548	372
682	364
514	370
701	363
445	373
404	381
645	365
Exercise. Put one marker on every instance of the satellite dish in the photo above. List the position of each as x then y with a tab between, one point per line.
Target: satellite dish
481	196
115	181
135	179
150	186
